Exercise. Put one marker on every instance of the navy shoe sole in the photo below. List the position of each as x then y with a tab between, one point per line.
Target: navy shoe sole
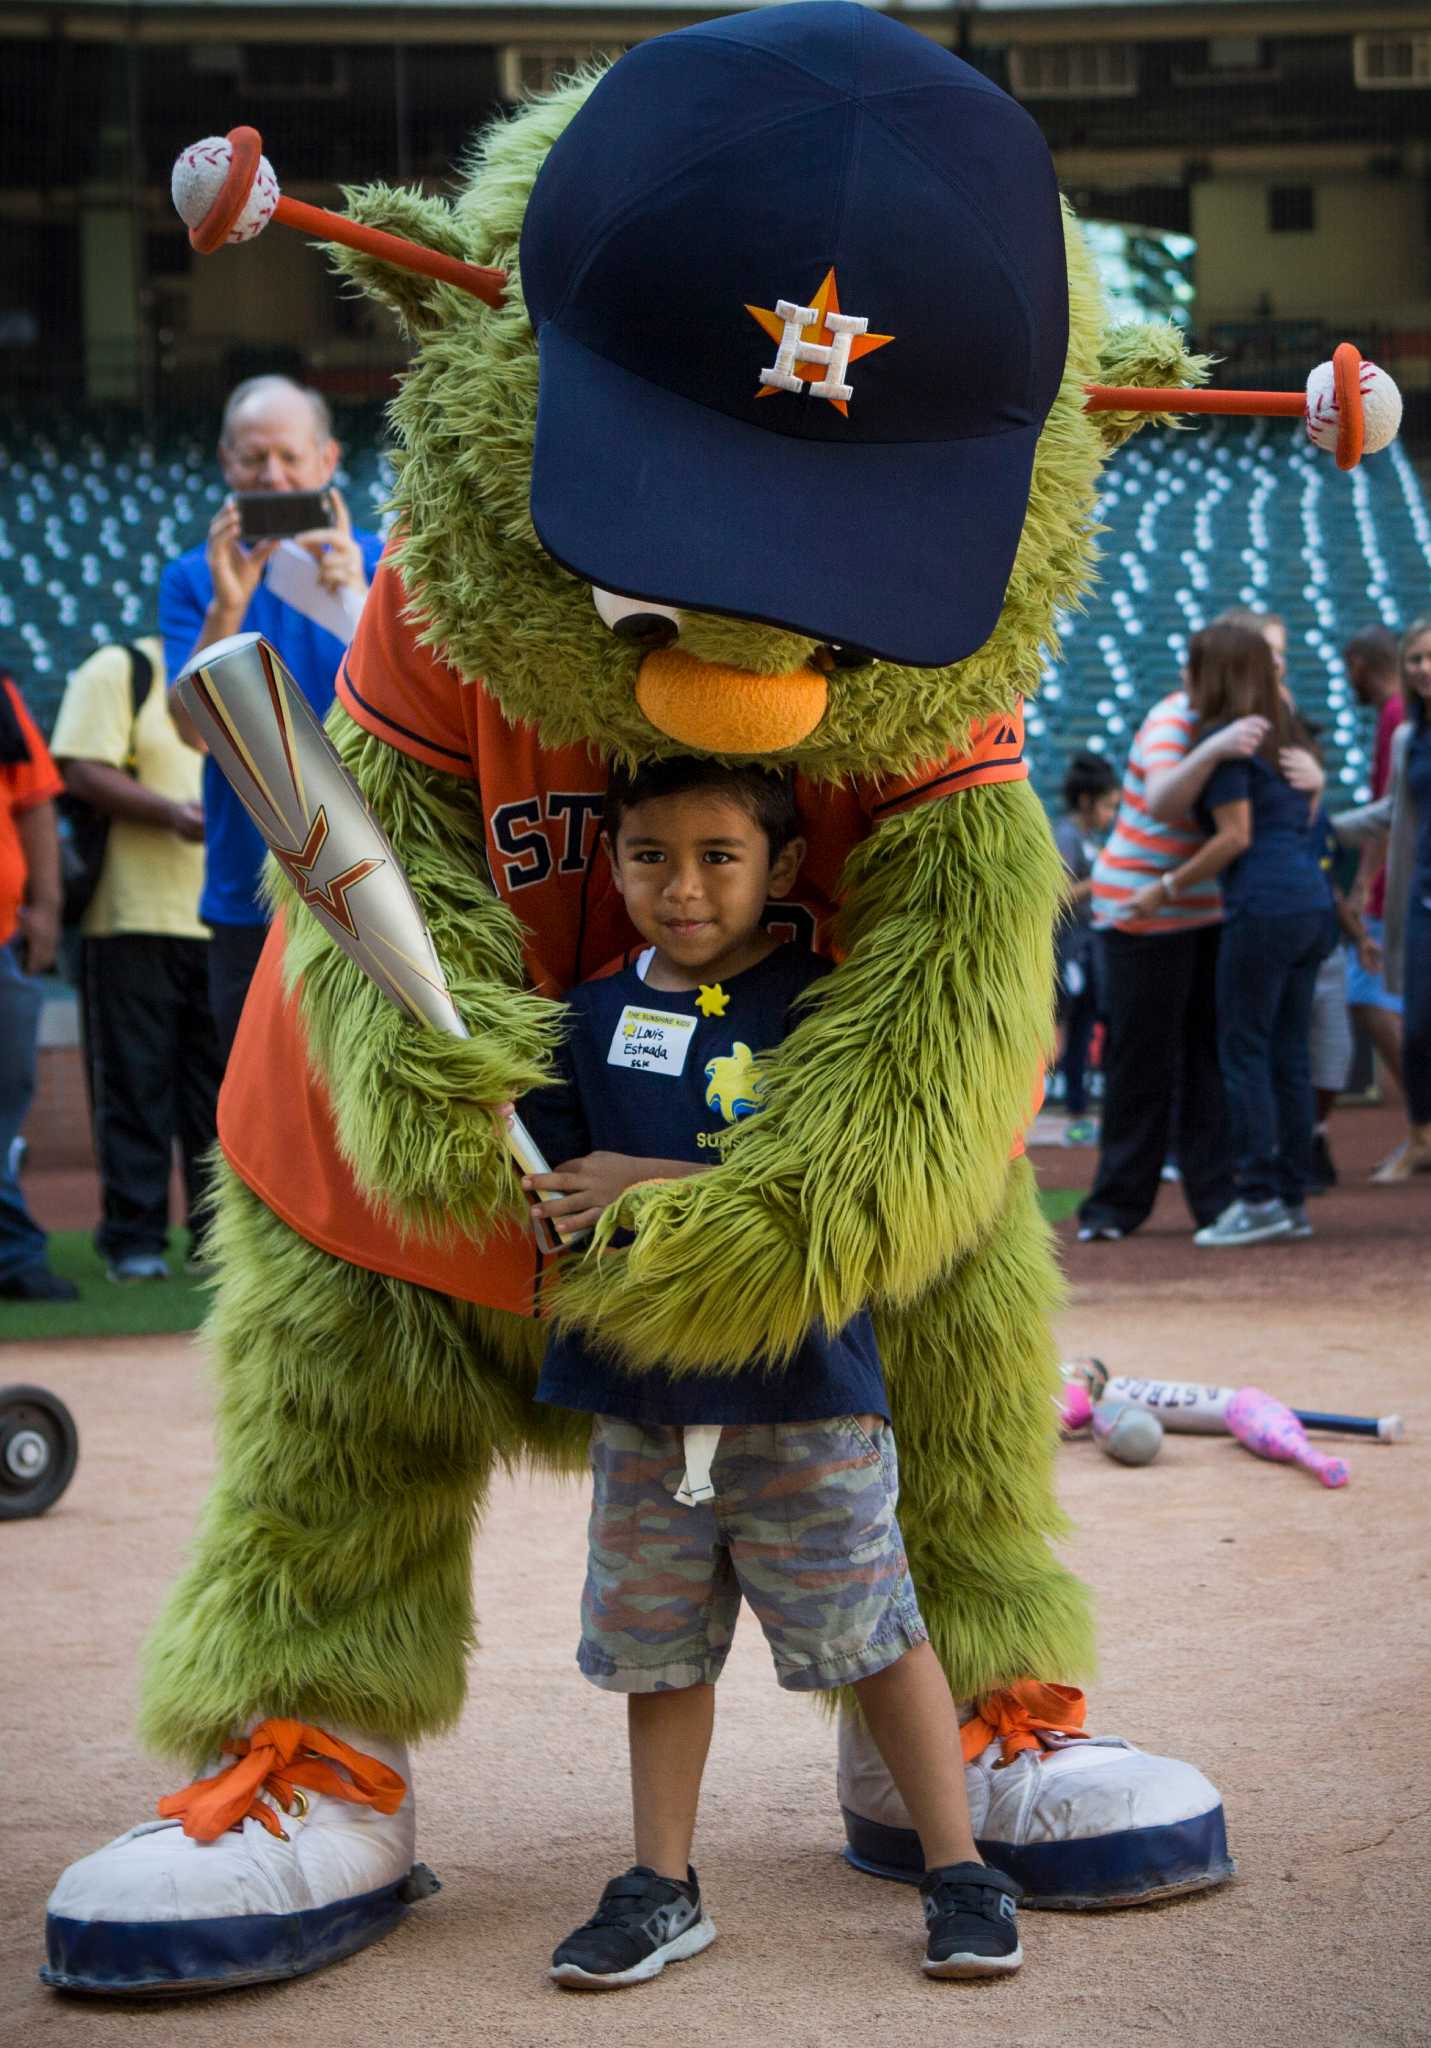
184	1958
1097	1874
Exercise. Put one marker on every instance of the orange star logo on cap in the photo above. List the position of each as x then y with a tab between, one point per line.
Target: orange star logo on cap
825	302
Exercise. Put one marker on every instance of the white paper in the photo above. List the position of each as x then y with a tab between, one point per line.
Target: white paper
292	574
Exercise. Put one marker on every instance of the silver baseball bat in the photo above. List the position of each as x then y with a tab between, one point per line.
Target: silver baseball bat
266	738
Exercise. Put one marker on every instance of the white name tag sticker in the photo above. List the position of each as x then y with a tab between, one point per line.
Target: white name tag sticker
653	1041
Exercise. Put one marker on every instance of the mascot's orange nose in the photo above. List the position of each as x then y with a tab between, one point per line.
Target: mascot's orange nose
719	710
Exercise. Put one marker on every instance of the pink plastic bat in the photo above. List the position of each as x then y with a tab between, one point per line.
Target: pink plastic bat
1076	1411
1271	1430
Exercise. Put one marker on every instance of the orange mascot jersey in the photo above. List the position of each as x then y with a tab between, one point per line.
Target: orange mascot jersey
541	807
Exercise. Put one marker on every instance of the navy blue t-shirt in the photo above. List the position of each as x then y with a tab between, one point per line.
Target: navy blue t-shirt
645	1071
1281	873
1418	788
233	848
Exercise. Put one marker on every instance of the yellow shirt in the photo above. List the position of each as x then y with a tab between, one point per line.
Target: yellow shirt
151	878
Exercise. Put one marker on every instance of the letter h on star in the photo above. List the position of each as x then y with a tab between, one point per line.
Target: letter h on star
836	358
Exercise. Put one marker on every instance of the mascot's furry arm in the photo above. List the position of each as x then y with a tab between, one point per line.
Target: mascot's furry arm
409	1104
883	1151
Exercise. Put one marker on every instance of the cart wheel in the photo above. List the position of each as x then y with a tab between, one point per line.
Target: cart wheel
38	1449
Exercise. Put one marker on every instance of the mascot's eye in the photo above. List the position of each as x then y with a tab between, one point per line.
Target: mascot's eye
851	657
646	629
637	619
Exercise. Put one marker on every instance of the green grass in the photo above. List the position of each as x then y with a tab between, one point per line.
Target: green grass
154	1307
146	1309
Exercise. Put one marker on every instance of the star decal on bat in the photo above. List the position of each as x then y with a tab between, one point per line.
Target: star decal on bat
712	1000
329	897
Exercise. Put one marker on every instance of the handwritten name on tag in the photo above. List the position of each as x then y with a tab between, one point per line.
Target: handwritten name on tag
653	1041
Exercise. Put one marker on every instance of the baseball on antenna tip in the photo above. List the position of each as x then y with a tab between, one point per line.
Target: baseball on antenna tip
225	191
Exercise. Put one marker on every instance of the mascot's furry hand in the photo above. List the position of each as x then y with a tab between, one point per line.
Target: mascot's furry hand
412	1106
882	1153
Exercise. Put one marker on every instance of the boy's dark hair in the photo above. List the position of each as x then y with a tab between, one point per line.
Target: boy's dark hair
1086	775
1377	648
767	795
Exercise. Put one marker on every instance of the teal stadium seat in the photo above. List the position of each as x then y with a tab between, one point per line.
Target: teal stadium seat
1234	513
1229	513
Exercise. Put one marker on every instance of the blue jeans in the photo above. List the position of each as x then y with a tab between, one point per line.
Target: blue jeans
1079	1009
22	1242
1416	999
1266	978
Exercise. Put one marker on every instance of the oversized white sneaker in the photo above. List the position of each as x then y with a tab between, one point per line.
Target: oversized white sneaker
157	1910
1078	1821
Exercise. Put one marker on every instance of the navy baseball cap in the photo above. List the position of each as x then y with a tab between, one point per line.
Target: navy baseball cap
798	284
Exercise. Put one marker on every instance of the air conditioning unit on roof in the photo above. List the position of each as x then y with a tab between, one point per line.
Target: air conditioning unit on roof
293	71
527	68
1390	62
1073	71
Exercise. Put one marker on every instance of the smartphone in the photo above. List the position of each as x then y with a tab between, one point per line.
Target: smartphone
271	515
528	1157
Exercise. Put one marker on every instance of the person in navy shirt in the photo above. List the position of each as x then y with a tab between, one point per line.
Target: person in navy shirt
303	595
1266	844
777	1484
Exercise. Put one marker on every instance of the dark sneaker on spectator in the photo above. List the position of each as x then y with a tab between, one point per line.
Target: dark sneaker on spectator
1324	1167
1099	1233
1080	1130
969	1910
38	1283
137	1266
643	1923
1301	1222
1244	1222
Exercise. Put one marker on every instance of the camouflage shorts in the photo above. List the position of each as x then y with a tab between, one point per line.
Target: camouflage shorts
802	1525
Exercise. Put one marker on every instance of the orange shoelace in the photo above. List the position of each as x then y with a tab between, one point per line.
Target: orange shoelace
1017	1717
277	1759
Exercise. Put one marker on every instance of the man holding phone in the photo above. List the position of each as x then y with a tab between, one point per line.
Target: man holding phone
301	583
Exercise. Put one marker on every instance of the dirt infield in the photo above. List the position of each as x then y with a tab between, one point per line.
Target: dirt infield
1274	1632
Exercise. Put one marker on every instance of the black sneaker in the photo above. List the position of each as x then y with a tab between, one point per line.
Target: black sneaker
38	1283
969	1910
643	1923
1324	1167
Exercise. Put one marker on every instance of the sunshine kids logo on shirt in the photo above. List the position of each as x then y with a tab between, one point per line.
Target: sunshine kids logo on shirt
652	1041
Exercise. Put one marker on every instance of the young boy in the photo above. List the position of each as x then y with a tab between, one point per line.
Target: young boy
778	1485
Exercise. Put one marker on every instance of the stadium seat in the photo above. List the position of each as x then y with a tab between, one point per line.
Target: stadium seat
1230	513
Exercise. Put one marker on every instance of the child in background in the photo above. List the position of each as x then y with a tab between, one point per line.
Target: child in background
1090	803
777	1484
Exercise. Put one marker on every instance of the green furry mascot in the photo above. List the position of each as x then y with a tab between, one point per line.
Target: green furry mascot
775	447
